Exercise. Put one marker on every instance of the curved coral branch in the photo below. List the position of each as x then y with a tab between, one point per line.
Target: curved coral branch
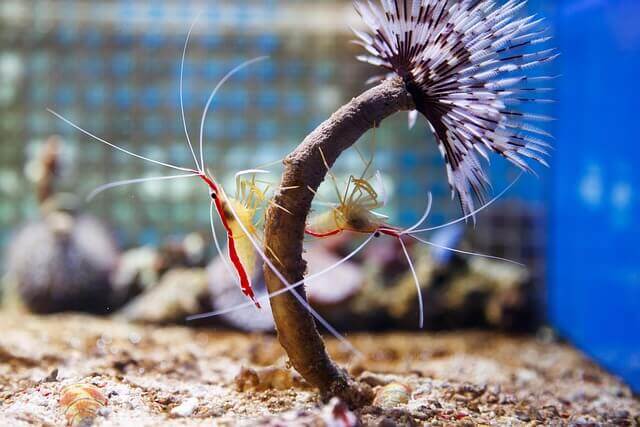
284	232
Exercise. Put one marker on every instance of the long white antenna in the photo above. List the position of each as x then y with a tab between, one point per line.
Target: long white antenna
184	122
423	218
213	94
471	214
115	184
417	283
435	245
86	132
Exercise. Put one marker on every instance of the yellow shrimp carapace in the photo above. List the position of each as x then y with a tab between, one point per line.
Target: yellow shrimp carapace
248	200
243	215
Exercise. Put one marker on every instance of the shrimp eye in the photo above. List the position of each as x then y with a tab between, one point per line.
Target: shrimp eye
376	234
214	195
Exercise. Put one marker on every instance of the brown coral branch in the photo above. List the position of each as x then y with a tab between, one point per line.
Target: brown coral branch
284	232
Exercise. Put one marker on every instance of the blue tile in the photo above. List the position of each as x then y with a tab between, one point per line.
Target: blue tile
123	96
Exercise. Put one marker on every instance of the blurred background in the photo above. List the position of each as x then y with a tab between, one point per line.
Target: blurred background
113	67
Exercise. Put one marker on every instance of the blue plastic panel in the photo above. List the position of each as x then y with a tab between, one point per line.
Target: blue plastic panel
594	293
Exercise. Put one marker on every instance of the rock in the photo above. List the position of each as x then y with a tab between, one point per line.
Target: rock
377	290
185	409
137	271
463	292
64	262
52	377
329	293
140	269
269	378
180	293
333	414
337	414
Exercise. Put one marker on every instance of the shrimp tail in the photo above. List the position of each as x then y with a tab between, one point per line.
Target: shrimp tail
234	253
245	280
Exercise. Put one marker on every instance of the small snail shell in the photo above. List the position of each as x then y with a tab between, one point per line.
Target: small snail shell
81	403
392	395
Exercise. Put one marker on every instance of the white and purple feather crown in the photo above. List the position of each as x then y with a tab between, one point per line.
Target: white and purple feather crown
466	64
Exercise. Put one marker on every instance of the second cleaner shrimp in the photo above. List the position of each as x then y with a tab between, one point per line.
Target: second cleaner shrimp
355	212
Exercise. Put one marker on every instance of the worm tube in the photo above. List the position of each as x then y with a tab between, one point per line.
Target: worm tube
284	233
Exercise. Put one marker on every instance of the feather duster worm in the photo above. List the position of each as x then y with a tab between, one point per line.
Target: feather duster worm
467	66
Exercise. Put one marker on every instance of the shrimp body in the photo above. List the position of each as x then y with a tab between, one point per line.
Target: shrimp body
241	252
354	210
243	246
325	224
354	218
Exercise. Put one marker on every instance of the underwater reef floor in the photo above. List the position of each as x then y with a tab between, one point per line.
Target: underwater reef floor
156	376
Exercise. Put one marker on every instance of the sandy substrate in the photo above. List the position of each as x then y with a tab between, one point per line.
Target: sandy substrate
178	376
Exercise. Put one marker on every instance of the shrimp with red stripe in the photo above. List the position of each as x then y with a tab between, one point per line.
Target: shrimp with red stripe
241	256
355	212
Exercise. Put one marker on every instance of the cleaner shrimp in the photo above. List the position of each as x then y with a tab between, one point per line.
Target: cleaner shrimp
240	254
236	214
355	212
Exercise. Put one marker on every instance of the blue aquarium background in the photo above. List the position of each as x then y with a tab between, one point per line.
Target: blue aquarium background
594	257
112	66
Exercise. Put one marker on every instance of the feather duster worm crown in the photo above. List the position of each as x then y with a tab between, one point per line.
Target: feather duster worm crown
466	65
